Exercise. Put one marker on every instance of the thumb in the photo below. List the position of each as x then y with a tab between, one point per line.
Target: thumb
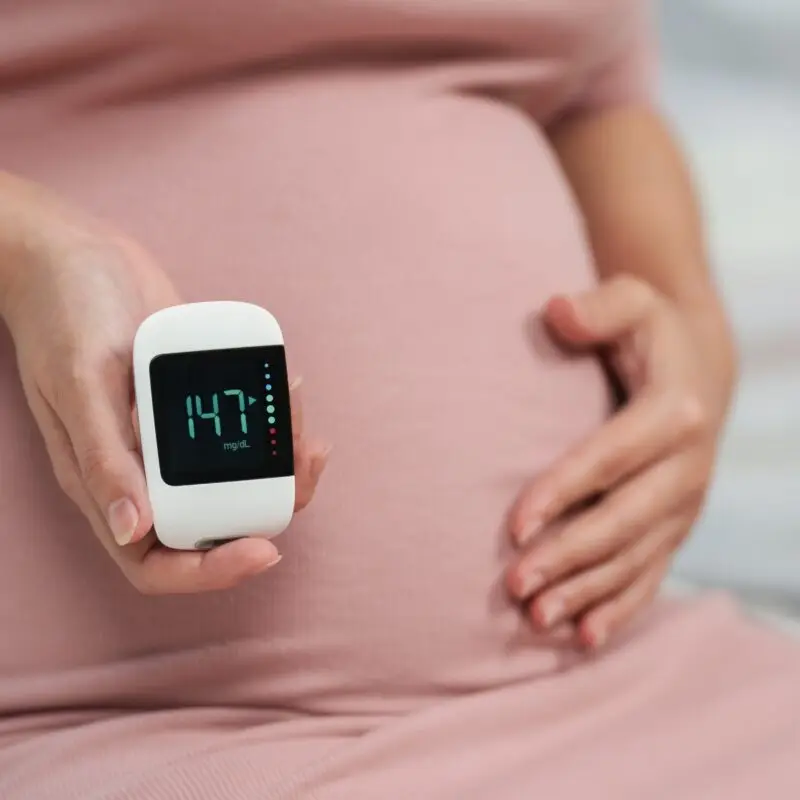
601	316
101	431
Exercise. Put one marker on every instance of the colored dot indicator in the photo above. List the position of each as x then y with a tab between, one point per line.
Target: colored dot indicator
271	420
274	452
273	442
270	398
270	409
269	387
266	365
273	431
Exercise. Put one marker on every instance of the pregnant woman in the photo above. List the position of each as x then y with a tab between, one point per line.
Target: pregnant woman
453	208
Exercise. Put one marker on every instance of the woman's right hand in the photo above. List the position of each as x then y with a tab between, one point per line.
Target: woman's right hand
73	294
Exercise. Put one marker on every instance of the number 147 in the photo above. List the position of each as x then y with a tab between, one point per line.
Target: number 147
194	410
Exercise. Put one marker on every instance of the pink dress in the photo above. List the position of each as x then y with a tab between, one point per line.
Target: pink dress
373	171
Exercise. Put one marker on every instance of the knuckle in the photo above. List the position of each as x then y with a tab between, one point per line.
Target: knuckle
68	480
96	464
609	467
639	293
696	497
616	514
627	525
584	590
591	548
625	565
564	486
691	415
633	561
79	372
140	580
586	547
70	379
653	588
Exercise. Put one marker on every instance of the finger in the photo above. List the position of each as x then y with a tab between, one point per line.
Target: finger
310	459
608	618
95	409
137	434
164	571
58	446
296	410
299	445
155	570
632	439
65	466
566	633
602	315
308	472
150	568
598	533
67	472
576	595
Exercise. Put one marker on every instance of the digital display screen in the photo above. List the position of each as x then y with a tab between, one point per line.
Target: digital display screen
222	415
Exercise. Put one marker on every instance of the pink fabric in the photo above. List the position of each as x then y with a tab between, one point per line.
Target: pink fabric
357	166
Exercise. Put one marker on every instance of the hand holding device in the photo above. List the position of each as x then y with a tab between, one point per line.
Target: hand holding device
73	302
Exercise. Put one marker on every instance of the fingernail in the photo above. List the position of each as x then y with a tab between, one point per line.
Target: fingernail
532	582
123	519
529	530
551	611
295	383
259	567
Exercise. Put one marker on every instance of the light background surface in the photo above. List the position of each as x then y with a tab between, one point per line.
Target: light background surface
731	83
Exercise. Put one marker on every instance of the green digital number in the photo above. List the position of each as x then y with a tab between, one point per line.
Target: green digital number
200	414
190	415
242	413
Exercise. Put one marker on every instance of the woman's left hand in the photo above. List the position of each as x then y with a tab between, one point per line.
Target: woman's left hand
628	495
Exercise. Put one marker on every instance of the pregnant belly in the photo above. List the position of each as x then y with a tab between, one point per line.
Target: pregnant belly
405	242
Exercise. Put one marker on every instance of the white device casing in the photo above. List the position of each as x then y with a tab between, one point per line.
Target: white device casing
188	517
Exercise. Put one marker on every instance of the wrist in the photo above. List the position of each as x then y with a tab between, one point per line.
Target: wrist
711	329
36	229
24	223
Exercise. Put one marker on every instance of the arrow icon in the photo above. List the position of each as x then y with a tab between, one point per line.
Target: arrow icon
251	400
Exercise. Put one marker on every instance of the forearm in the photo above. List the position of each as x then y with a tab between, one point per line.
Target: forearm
642	216
23	229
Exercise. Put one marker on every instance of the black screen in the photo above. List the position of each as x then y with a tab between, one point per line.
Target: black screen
222	415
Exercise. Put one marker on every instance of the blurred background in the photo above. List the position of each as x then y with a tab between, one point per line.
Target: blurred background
731	83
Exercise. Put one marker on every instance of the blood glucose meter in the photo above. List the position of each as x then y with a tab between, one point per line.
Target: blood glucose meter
212	396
